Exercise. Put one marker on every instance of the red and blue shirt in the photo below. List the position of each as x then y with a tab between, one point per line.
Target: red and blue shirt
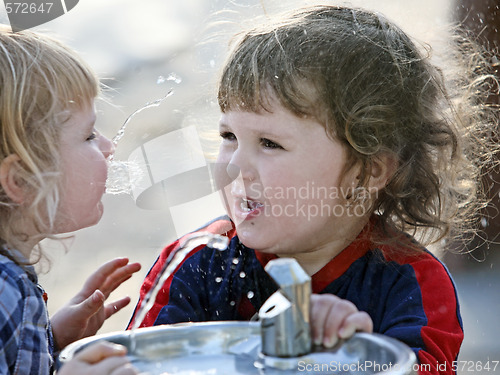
409	294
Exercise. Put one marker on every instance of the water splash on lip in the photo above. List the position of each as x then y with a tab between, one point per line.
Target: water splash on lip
123	177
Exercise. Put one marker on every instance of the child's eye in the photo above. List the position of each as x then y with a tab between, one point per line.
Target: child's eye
227	136
270	144
92	136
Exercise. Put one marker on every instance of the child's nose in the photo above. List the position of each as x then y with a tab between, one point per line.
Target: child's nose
242	162
107	147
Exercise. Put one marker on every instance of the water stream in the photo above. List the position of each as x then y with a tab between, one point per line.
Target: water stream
122	175
175	258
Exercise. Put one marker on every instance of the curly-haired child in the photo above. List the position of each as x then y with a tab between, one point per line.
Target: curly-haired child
349	143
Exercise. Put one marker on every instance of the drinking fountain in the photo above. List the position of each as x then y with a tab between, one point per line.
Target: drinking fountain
279	343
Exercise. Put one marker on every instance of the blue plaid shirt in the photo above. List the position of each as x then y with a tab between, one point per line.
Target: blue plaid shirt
26	342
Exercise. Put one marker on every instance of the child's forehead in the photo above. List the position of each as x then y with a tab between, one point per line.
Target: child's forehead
79	104
277	120
73	109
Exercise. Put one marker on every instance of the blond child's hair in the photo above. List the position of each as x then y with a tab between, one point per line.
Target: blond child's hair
41	82
376	91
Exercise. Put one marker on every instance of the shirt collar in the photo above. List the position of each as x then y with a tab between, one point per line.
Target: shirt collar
21	261
339	264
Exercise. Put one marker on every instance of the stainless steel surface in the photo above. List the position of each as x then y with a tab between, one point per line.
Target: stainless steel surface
233	348
286	330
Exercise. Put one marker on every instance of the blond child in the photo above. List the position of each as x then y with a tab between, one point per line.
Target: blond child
53	168
340	142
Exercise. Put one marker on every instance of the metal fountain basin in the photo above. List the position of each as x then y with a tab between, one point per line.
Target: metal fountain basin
233	348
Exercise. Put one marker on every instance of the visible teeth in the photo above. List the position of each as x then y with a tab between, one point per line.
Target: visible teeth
244	205
249	205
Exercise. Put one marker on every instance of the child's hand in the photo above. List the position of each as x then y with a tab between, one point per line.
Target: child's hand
85	313
333	318
99	359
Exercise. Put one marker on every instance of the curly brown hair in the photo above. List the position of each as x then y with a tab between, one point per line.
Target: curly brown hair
376	91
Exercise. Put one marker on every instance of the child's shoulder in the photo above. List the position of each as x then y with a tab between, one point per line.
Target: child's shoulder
15	287
409	258
11	271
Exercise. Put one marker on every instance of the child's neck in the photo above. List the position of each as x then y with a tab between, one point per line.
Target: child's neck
315	259
24	247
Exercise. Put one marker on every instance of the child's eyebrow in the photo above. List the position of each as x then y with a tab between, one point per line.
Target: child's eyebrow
223	125
92	121
261	133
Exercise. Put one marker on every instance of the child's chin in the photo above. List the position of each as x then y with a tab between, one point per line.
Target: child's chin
250	239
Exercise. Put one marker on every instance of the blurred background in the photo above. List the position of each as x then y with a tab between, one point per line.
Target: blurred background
142	50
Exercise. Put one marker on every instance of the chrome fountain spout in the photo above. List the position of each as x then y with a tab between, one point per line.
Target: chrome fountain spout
284	317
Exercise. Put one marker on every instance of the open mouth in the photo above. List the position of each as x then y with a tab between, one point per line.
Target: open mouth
248	205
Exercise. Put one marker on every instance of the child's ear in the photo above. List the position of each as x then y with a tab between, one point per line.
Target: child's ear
383	168
8	178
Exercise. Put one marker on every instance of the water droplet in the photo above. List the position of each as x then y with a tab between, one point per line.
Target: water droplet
484	222
218	279
242	274
160	80
212	63
174	77
236	260
218	242
232	303
250	294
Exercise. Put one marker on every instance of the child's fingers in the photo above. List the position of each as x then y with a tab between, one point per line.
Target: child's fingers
99	277
319	313
116	306
91	305
359	321
119	276
114	366
340	311
99	351
333	317
325	319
